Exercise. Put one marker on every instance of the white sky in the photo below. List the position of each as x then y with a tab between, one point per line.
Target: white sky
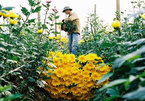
105	8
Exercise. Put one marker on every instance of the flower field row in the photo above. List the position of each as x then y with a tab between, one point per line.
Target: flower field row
35	64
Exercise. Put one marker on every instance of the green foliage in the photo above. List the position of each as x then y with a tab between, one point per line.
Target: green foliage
4	91
125	50
22	50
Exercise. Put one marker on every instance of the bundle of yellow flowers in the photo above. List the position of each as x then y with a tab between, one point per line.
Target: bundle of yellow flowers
7	14
73	78
116	24
12	15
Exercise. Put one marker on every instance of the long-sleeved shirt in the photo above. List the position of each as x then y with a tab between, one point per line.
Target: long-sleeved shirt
74	18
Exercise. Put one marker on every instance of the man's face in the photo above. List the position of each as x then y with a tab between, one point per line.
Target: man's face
67	12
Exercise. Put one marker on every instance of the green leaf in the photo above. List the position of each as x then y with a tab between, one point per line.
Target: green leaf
139	68
119	62
139	42
31	20
25	11
31	79
56	17
11	97
36	10
114	83
31	2
3	49
111	98
0	6
106	76
50	18
44	26
5	88
8	8
139	94
112	92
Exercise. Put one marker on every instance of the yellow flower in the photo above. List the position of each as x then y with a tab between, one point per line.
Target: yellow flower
12	21
58	41
60	89
50	37
82	58
39	31
56	60
65	58
87	68
116	24
72	57
0	27
51	54
76	80
68	82
0	13
89	84
12	15
81	41
58	54
64	40
58	37
54	91
142	16
66	91
91	57
84	90
96	76
59	72
55	82
62	46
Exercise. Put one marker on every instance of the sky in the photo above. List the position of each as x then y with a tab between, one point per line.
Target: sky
105	9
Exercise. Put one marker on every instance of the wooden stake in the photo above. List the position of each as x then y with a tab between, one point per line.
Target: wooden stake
39	13
118	9
95	9
95	14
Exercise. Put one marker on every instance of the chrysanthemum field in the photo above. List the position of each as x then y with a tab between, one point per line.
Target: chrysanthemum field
36	66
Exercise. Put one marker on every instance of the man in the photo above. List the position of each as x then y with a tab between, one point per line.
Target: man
73	36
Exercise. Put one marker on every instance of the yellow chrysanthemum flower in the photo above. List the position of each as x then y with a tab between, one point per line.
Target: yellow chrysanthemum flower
39	31
55	82
91	57
54	91
12	15
116	24
51	54
13	22
81	41
96	76
66	91
59	72
72	58
82	58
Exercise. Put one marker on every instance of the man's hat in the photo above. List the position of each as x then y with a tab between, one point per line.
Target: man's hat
66	8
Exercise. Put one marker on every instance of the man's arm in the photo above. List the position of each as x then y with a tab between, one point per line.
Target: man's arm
72	17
